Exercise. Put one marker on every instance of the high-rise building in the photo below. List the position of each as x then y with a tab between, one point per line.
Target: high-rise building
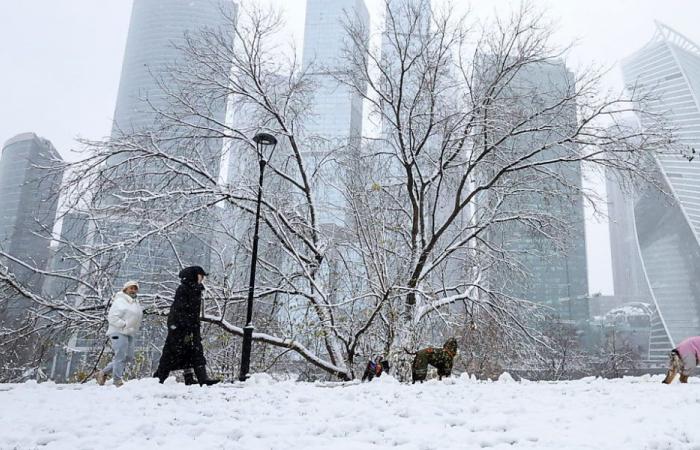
406	22
404	19
30	178
335	121
668	231
156	31
629	282
556	274
336	109
31	171
65	259
406	30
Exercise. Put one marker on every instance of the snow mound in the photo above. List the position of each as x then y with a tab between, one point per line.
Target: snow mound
455	413
506	378
466	378
386	379
260	379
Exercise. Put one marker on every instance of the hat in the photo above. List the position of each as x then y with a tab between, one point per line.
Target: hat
190	273
131	283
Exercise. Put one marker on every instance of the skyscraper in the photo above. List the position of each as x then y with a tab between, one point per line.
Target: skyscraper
629	281
335	120
156	30
65	259
406	22
557	274
30	179
407	28
668	232
336	110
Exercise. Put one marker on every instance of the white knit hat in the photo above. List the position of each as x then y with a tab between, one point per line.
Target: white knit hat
131	283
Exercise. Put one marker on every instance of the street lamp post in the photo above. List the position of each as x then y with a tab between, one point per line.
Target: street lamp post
261	140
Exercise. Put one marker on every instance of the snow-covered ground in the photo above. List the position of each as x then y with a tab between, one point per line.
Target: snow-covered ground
457	413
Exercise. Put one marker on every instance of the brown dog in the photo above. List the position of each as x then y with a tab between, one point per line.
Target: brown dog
440	358
675	365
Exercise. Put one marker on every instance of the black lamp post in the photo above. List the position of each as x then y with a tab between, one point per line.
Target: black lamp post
262	140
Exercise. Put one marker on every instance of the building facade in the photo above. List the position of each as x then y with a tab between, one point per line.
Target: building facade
336	110
556	273
30	179
156	30
65	258
629	281
668	231
31	171
334	125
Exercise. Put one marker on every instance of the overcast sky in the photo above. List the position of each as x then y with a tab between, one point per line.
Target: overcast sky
61	61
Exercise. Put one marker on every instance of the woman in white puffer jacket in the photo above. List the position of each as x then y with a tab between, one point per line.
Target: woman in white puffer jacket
124	320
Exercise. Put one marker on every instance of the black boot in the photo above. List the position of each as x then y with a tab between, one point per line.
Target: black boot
161	375
201	372
189	377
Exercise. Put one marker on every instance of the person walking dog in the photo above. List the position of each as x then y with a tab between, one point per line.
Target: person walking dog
124	318
183	345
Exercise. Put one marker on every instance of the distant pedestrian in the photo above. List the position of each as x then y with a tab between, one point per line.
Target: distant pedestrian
124	318
183	345
683	359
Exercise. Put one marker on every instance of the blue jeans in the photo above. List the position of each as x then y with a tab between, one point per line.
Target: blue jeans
123	346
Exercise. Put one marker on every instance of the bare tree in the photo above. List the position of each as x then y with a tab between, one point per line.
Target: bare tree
464	144
470	143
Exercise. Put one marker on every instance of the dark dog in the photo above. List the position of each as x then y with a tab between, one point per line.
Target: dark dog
440	358
375	368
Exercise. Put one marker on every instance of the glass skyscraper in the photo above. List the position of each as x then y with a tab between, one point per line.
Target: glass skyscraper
629	281
668	230
156	30
336	110
557	273
334	124
30	179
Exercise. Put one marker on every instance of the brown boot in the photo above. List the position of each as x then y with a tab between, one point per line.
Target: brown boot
101	377
684	378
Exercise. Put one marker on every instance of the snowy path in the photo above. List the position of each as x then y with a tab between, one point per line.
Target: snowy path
633	413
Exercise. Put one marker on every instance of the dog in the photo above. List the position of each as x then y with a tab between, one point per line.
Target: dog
675	365
683	359
375	368
440	358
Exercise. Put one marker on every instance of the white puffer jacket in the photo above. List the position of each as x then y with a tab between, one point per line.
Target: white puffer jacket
124	315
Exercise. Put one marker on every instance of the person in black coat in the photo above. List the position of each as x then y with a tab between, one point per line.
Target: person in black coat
183	346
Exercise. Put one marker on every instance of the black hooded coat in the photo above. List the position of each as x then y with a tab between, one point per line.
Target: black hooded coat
183	346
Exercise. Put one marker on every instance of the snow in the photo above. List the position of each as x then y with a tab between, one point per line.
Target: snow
636	309
455	413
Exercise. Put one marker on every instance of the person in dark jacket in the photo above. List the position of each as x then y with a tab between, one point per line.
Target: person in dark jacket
183	346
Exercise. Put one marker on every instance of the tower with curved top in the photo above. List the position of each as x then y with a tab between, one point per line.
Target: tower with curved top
30	178
158	31
667	70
